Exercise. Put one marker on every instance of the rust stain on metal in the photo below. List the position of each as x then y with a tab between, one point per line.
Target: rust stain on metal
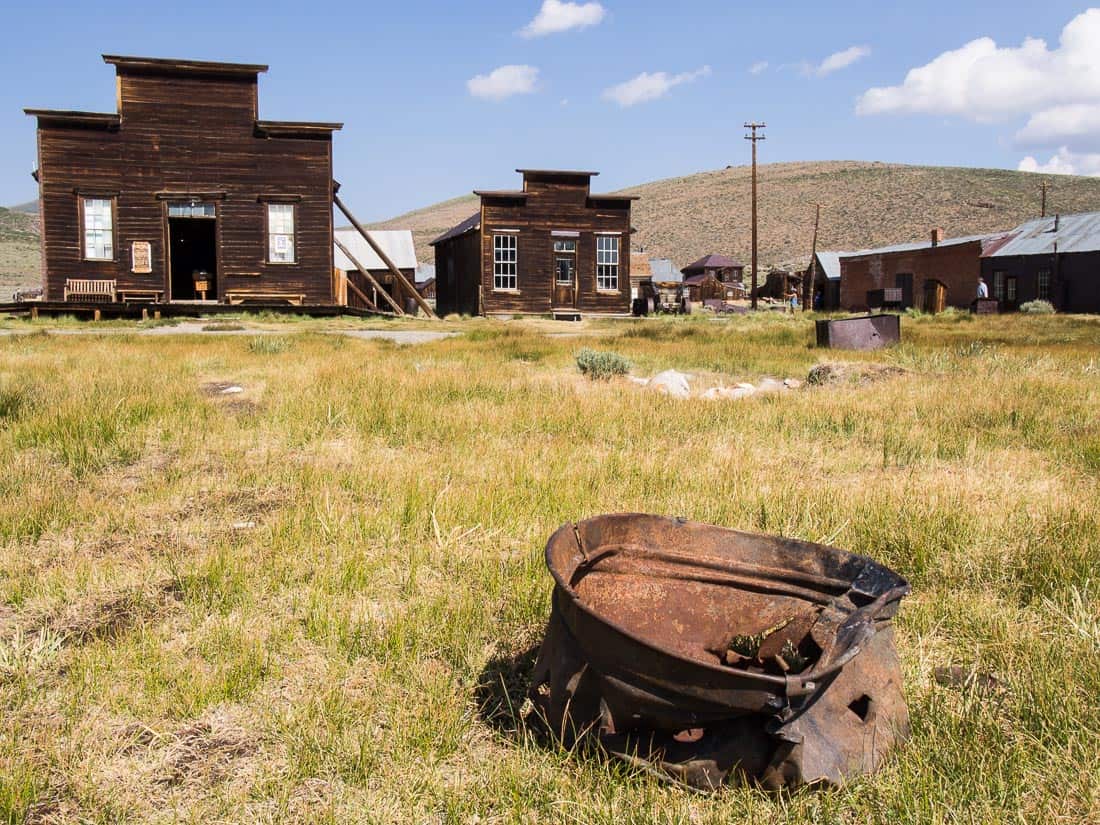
862	333
715	656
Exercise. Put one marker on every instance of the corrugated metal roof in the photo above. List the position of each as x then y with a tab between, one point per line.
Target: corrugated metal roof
396	243
913	247
469	225
830	263
662	270
1076	233
425	273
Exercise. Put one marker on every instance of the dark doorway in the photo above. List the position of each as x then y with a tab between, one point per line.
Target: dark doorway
193	245
904	282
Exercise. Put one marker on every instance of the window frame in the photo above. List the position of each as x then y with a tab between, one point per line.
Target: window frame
112	200
269	236
999	278
603	278
1042	284
501	265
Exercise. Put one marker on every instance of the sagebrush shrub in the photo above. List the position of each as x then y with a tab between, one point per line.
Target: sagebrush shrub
1037	308
601	366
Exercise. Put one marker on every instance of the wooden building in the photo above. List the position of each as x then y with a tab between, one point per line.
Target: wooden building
825	271
931	275
184	193
723	268
1054	259
396	244
551	247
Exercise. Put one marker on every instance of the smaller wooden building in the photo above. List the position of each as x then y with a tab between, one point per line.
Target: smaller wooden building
398	246
825	271
721	267
551	247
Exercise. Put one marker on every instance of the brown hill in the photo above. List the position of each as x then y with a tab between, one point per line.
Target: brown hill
863	205
20	260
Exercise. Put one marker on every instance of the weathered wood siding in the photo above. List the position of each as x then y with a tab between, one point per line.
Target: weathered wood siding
458	274
187	135
554	205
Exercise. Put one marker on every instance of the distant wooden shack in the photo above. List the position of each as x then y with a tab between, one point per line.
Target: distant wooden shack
184	194
721	267
398	246
551	247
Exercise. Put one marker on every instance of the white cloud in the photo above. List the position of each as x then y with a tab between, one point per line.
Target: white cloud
1074	125
650	86
842	60
1064	162
985	82
556	16
504	82
759	67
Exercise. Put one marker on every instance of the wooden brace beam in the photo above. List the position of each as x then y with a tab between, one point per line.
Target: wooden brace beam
366	274
397	273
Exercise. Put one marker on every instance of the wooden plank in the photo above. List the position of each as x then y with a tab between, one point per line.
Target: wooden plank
362	296
366	274
398	275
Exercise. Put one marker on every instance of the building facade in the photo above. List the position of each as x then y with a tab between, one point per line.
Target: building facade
1054	259
184	193
551	248
930	275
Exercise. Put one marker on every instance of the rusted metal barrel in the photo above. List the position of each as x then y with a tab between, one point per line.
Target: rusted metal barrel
711	654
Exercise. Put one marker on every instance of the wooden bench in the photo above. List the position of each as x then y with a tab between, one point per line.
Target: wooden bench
259	296
145	296
89	290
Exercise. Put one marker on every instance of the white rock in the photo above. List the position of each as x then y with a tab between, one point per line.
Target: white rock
792	383
641	382
234	390
671	383
769	385
744	386
728	393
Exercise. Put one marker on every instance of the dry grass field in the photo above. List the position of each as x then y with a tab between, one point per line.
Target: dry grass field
864	204
314	601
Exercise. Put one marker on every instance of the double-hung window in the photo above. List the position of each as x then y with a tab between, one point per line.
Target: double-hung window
99	229
505	261
607	263
280	233
1043	286
999	285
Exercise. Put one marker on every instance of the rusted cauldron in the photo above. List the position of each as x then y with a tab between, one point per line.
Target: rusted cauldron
713	656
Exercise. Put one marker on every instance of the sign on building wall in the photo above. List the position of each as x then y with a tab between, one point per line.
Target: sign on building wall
141	253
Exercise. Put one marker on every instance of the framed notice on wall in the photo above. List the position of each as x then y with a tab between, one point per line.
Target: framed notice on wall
141	253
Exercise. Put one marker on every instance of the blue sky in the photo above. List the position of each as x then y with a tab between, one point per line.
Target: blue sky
426	118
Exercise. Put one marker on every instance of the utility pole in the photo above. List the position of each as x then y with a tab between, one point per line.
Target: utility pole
811	275
755	138
1044	199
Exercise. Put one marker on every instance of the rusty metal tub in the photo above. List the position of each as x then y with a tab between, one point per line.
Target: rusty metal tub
646	650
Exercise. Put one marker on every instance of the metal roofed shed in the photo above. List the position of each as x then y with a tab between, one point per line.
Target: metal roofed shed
396	243
664	271
1055	259
1069	233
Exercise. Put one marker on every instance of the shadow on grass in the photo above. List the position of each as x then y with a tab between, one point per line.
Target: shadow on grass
501	694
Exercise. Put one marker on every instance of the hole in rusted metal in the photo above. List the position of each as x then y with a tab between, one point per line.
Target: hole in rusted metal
712	656
861	707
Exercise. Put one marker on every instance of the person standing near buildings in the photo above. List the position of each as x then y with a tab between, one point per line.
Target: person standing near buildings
983	288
